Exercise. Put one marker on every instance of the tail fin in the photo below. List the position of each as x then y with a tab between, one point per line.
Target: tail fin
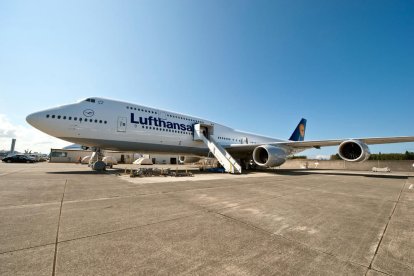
299	133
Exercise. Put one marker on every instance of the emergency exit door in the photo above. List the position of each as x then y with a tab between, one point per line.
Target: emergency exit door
122	121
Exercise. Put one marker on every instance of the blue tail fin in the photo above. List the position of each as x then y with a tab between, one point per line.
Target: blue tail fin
299	133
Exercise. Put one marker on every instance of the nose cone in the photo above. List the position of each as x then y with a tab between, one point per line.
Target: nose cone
35	119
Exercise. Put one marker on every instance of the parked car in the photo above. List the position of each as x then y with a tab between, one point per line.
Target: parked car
19	159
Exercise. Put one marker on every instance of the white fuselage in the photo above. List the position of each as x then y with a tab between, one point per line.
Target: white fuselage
121	126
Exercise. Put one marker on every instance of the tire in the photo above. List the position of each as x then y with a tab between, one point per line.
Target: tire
98	166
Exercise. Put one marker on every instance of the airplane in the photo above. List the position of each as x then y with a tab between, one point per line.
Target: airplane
99	123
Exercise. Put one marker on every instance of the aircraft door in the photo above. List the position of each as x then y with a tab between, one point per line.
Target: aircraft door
205	132
122	121
162	115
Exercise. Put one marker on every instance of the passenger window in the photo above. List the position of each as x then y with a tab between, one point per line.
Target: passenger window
80	119
47	116
64	117
59	117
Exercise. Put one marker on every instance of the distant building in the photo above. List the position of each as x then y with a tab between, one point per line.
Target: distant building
73	154
67	156
164	159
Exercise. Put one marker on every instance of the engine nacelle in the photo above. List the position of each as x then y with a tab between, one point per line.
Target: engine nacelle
354	151
269	156
188	159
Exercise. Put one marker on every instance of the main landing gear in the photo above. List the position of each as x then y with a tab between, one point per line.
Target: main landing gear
248	164
96	162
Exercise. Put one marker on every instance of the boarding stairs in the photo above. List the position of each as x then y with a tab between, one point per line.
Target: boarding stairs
225	159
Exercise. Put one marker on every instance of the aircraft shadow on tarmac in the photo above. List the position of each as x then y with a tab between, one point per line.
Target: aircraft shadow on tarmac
291	172
91	172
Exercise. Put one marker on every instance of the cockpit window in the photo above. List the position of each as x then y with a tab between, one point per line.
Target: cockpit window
90	100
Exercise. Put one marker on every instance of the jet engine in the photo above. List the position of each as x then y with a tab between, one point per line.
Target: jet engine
188	159
269	156
354	151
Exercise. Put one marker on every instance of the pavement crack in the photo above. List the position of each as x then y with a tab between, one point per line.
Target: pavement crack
279	235
20	170
285	238
249	203
57	231
131	228
386	227
150	194
26	248
379	271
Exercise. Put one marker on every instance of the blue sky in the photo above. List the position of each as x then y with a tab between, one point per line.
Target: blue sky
259	66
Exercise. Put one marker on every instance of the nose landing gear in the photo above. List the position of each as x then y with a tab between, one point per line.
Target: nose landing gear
96	162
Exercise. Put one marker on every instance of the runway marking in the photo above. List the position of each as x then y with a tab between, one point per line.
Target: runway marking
411	187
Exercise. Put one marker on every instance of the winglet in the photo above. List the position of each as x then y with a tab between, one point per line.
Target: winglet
299	133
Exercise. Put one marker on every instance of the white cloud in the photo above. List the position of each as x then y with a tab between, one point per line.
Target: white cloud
322	157
28	138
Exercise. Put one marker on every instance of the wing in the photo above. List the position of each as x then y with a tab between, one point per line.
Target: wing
243	148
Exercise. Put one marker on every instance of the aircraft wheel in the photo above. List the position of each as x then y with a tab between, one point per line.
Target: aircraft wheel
99	166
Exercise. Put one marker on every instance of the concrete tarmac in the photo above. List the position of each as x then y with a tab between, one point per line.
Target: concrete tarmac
64	219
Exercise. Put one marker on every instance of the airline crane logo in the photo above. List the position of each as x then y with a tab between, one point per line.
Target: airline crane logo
88	112
302	130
